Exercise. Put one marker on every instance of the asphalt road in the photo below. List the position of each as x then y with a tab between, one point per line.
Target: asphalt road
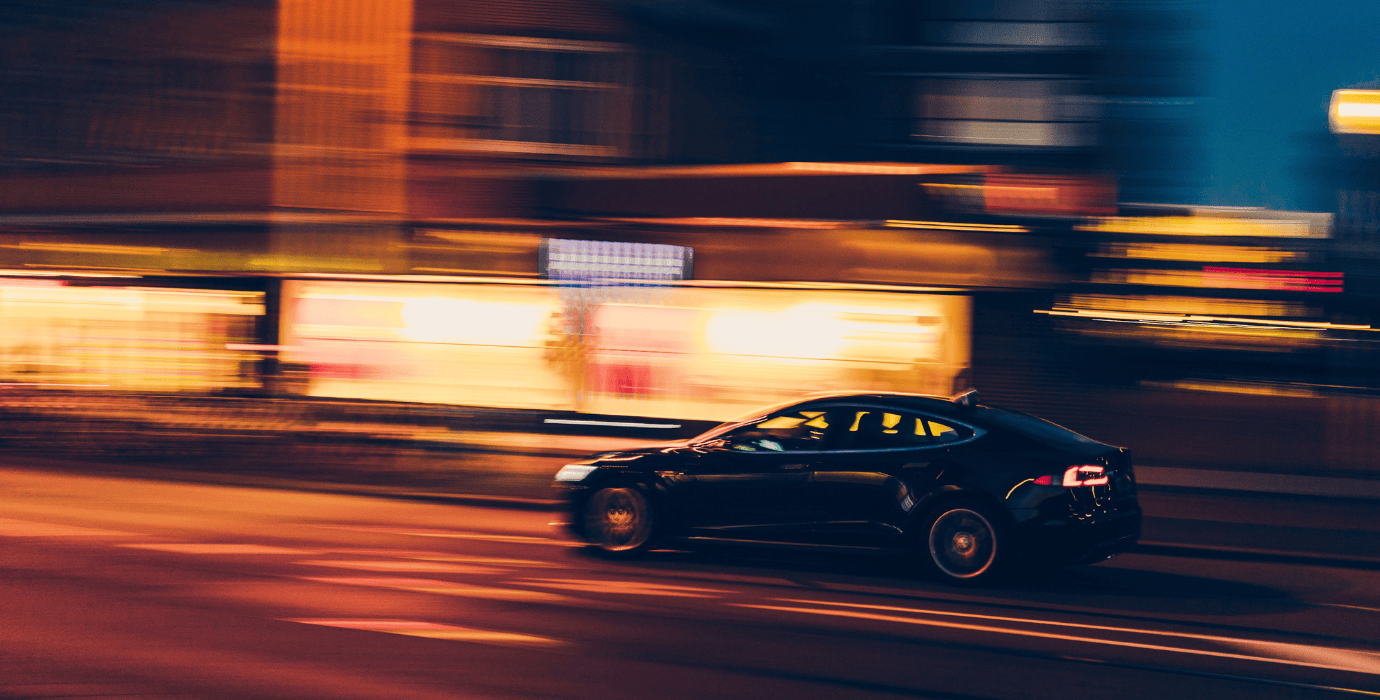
132	588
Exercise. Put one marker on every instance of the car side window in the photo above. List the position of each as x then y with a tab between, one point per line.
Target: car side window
943	432
866	428
790	431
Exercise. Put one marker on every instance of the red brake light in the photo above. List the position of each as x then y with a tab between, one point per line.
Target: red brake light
1085	475
1046	480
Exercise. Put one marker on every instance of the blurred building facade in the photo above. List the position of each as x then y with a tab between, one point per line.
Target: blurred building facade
938	189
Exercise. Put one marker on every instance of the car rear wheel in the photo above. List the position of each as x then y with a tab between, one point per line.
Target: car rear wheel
618	520
964	543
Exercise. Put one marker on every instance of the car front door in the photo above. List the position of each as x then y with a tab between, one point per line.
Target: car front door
754	482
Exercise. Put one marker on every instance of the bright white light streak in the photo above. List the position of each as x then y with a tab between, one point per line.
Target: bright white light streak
1358	109
1289	654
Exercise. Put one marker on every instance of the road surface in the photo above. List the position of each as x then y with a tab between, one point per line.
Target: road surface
138	588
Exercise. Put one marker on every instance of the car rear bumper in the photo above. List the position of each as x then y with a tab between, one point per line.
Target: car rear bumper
1082	542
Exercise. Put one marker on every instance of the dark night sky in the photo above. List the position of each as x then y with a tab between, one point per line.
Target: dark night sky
1272	66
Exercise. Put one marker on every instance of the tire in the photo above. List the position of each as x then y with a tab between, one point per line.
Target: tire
618	521
964	543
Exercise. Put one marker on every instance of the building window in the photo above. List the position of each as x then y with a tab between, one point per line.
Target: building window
521	95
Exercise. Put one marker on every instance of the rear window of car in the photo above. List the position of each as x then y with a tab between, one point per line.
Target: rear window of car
1037	429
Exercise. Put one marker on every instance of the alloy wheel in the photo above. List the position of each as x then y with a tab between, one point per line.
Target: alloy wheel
963	543
618	519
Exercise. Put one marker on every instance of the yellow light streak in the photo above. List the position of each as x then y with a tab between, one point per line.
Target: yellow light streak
1192	252
1182	305
1202	226
93	248
1192	318
1354	112
956	226
1249	388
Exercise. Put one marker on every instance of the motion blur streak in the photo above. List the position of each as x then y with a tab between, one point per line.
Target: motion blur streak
513	539
1345	665
1371	659
24	528
421	585
1355	112
432	630
215	548
628	587
409	566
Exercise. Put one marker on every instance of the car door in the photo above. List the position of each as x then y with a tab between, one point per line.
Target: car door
754	482
866	485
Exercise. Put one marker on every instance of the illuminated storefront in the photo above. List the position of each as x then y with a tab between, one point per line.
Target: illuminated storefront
682	351
126	338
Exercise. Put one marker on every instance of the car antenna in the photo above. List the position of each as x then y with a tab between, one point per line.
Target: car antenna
967	399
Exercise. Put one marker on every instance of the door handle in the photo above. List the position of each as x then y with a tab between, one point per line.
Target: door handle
792	466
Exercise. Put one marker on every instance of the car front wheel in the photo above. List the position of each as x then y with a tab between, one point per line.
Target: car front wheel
618	520
964	543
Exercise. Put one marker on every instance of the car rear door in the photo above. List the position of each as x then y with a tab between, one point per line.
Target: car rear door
866	483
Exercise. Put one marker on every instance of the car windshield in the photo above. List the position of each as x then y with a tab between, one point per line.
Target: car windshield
745	418
1034	428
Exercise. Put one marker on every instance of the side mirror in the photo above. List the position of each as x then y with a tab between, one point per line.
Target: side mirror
967	399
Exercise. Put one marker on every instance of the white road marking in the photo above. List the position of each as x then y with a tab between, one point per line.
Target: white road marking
1323	659
433	567
421	585
627	587
432	630
25	528
219	548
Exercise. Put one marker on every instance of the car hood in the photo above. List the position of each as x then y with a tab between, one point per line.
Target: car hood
633	455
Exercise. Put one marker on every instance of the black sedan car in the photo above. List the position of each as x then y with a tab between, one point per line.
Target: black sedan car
970	489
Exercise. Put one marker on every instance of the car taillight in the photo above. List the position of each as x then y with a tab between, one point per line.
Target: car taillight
1078	475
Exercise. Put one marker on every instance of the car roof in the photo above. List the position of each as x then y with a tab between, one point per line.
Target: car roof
927	402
